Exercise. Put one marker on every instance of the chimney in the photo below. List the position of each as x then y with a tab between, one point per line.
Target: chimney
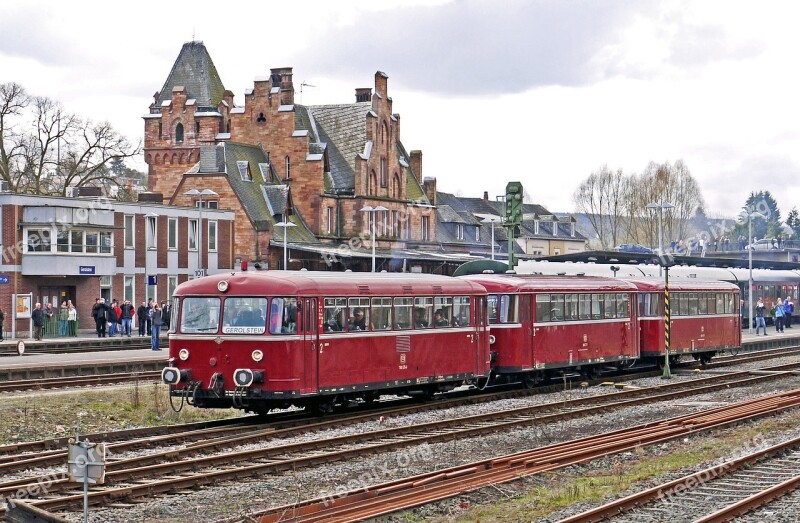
429	186
381	84
208	159
282	77
416	163
486	196
363	94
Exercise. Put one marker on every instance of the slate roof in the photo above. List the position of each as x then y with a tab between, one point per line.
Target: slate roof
195	72
263	200
414	191
343	128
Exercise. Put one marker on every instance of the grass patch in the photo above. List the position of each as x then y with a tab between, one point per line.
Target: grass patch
42	415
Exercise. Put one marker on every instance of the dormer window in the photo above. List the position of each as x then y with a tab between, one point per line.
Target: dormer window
460	231
179	133
535	226
244	170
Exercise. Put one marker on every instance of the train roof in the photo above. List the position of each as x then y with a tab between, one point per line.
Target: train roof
547	283
290	283
684	285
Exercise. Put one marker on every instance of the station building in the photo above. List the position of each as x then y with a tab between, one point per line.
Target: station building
87	247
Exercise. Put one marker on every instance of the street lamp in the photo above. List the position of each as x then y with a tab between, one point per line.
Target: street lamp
285	224
748	215
194	193
492	220
370	210
660	206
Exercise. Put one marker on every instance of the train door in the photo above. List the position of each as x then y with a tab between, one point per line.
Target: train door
481	353
310	344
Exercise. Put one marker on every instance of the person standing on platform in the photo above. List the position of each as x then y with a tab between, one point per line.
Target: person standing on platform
141	314
126	313
99	314
155	328
2	319
37	317
166	310
788	309
72	319
779	312
760	317
62	319
112	320
149	315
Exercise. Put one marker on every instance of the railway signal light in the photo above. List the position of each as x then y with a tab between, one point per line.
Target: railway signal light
513	203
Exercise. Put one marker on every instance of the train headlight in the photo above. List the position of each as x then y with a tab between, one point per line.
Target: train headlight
257	355
173	376
243	377
183	354
492	339
222	285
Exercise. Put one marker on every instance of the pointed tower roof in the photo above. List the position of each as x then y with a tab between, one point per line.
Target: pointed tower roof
195	72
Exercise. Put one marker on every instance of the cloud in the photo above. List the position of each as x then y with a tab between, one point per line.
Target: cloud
473	47
34	34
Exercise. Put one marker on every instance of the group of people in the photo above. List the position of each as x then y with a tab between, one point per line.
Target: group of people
44	317
151	317
780	310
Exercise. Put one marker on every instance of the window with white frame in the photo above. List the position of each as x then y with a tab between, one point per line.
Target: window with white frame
425	228
152	232
477	233
151	291
407	231
172	282
128	289
192	235
92	242
172	234
212	236
129	231
106	242
459	231
38	240
329	212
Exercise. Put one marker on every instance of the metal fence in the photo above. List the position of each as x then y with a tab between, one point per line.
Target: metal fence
60	326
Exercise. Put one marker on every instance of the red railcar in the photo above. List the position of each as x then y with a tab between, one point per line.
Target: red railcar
704	318
542	325
262	340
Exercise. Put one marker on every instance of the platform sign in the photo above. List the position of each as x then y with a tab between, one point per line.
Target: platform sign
152	280
86	269
3	278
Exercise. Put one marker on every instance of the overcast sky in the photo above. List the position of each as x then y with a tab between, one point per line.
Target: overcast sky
543	92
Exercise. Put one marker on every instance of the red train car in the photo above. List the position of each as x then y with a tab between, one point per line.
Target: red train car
704	318
542	325
263	340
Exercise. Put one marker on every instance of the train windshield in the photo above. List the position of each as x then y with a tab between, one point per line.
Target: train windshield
200	315
244	315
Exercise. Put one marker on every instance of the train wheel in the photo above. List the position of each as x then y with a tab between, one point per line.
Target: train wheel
530	380
705	358
370	397
324	406
590	372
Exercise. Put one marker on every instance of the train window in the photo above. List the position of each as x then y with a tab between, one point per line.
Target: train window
610	309
694	304
423	313
712	303
334	314
283	316
200	314
358	314
461	314
502	309
622	305
571	307
173	321
402	312
556	307
442	311
729	303
683	304
381	314
703	303
244	315
585	306
542	307
597	306
491	304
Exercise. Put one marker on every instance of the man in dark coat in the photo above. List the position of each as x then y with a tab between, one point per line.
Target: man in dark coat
37	317
141	314
99	313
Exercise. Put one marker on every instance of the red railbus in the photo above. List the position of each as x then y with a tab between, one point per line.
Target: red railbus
262	340
704	318
544	325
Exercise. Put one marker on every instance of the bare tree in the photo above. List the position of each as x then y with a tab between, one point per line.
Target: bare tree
45	150
602	198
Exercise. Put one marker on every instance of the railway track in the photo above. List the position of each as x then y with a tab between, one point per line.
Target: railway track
78	381
386	498
79	346
194	465
721	492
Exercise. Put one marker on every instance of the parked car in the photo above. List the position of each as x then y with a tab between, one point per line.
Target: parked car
634	247
762	244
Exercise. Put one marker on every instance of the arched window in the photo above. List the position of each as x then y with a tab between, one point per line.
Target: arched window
396	186
229	127
179	133
197	128
288	168
372	188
